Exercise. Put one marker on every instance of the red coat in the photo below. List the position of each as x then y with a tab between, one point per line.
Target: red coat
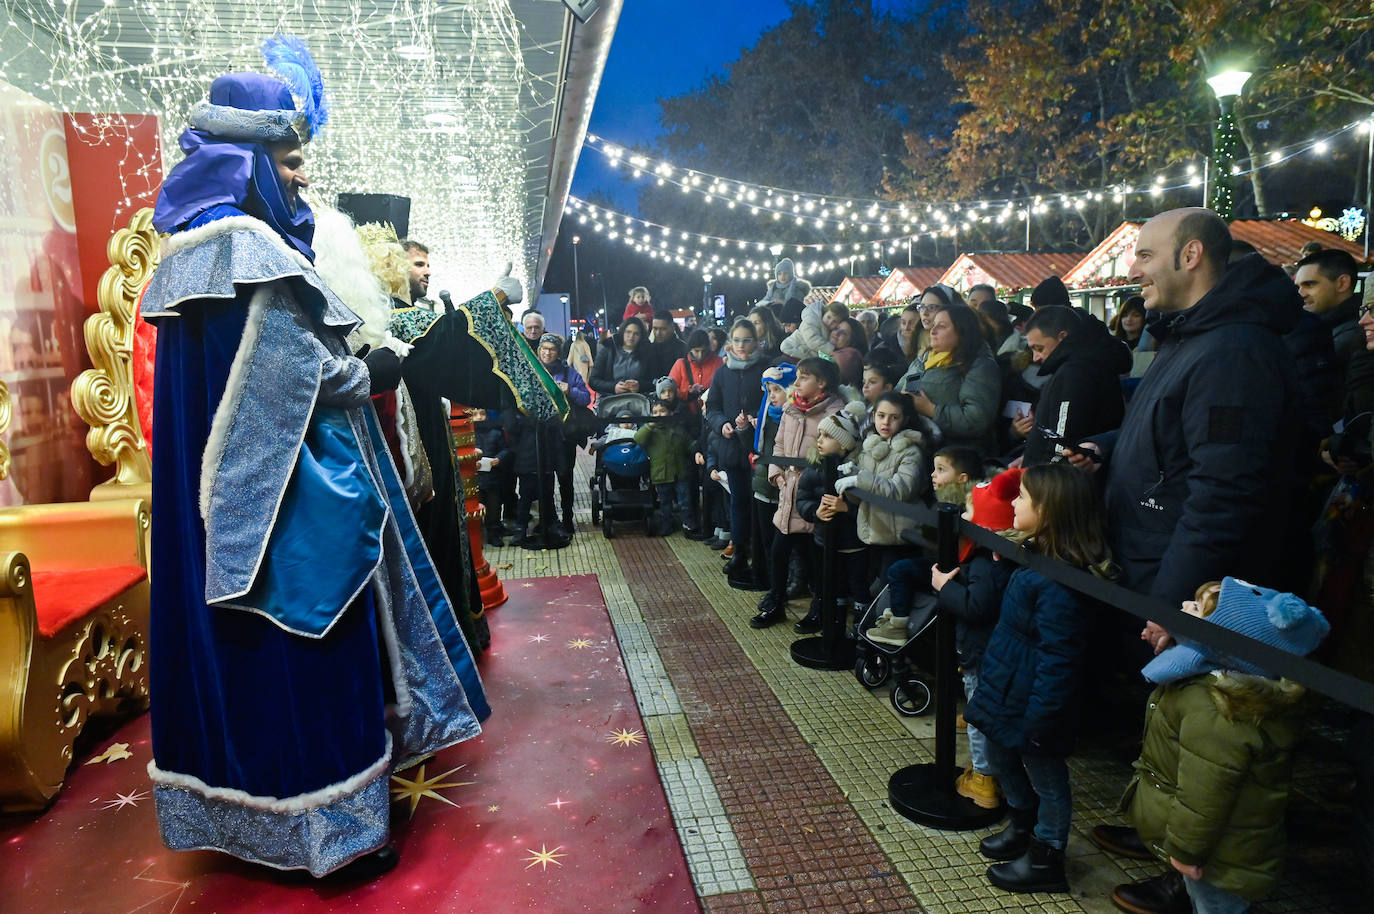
644	312
685	373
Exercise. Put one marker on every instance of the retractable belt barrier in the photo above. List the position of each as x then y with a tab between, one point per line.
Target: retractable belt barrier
1343	687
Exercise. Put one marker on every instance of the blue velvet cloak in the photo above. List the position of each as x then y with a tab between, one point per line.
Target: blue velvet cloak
297	661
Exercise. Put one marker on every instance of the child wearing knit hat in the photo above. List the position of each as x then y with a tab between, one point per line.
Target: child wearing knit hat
972	593
836	436
1215	767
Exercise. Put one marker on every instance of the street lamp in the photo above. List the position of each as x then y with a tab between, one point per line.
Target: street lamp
1227	86
577	297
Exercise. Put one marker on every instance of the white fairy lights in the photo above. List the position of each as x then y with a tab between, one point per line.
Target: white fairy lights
828	212
429	99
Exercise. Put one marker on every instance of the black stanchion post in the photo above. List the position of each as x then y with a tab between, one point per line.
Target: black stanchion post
831	651
925	793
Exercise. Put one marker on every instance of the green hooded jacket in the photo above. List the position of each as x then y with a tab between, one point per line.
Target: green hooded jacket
1213	777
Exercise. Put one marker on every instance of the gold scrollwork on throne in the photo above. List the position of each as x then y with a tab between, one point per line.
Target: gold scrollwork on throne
104	396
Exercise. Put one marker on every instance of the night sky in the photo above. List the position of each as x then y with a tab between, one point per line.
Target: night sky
663	48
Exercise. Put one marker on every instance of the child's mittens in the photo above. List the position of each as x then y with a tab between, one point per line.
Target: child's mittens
845	483
848	468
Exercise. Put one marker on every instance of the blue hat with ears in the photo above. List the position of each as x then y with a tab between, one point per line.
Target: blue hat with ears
782	375
1282	620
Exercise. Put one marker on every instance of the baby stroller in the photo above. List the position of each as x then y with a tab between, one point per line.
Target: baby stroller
876	663
620	483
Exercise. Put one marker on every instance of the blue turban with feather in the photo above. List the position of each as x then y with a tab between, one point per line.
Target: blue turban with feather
227	161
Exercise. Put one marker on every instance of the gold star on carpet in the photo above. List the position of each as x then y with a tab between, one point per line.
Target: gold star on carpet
538	638
543	857
116	752
578	644
126	799
420	787
493	809
625	737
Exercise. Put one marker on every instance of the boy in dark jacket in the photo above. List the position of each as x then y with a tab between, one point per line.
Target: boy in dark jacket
492	468
538	446
837	436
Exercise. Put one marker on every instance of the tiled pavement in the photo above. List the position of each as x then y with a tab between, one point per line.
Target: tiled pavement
777	774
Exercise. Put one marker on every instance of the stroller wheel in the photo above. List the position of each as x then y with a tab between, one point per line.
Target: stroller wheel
650	523
911	696
606	525
596	507
872	668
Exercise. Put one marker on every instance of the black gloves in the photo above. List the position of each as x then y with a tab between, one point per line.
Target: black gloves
384	367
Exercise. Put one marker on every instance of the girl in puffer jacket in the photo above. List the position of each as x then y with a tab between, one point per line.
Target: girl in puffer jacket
892	463
1025	703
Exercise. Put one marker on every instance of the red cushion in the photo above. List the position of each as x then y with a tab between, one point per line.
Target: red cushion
61	597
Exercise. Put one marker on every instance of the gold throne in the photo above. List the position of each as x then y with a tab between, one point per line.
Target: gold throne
74	577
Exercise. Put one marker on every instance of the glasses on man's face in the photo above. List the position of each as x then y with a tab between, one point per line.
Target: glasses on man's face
1361	311
742	340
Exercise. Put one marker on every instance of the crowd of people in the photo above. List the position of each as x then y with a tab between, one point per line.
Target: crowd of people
1210	448
1206	447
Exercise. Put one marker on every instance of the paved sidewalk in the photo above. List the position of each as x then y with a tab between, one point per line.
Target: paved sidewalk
777	774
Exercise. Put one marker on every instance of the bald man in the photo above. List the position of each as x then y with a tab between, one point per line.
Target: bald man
1199	475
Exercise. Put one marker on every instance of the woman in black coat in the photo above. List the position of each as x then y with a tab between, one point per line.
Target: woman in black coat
621	363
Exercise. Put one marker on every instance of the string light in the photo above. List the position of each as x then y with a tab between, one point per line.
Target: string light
734	257
426	99
867	213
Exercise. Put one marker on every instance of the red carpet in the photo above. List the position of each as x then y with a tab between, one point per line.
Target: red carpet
556	808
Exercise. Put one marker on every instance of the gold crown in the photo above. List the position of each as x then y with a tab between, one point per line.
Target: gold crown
377	233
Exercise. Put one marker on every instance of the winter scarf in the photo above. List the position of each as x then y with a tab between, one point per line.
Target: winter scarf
734	361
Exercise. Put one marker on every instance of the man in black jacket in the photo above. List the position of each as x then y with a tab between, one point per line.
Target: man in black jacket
1197	484
1326	280
1084	363
664	348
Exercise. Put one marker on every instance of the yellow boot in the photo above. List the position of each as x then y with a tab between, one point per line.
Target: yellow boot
982	789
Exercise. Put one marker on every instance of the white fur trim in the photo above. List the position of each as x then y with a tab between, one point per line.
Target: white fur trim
403	407
384	604
305	802
233	393
200	234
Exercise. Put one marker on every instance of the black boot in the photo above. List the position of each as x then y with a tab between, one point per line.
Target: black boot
1010	842
1039	869
738	566
771	612
1164	894
812	621
369	866
796	580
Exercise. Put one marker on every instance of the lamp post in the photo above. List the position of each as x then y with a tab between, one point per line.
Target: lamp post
577	297
1227	87
1368	184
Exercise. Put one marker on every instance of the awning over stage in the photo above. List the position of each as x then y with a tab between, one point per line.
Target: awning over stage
475	109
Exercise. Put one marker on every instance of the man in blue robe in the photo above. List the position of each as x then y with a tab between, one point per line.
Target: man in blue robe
297	659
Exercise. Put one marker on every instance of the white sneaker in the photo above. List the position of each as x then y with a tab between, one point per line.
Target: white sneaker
891	630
